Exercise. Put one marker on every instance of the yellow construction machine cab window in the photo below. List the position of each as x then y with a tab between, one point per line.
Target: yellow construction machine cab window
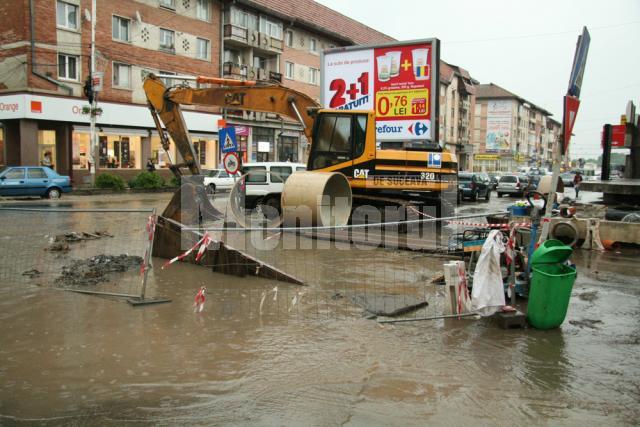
338	137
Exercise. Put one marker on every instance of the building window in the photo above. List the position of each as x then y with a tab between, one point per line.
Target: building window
120	28
243	19
289	70
313	76
169	4
167	81
203	49
259	62
271	28
202	10
67	15
167	38
313	45
68	67
121	75
288	38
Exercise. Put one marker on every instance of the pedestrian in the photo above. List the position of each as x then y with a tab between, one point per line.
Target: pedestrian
150	166
46	161
576	182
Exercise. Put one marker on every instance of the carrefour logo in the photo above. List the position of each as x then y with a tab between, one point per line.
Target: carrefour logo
418	128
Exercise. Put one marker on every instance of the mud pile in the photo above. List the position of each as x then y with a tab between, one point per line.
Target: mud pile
97	269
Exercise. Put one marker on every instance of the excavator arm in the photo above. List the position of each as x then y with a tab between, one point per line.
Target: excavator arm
164	104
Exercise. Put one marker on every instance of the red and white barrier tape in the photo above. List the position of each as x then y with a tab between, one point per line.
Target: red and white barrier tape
151	228
201	245
411	208
485	225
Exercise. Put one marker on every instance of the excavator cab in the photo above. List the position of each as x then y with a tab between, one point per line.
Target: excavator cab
342	140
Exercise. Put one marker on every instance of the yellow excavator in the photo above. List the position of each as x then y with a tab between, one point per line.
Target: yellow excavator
343	142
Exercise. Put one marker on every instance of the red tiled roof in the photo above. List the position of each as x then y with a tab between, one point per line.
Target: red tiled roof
321	18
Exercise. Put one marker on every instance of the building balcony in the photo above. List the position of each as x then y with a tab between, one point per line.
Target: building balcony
244	37
465	105
244	72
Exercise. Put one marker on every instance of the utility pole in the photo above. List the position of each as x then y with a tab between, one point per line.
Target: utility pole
93	145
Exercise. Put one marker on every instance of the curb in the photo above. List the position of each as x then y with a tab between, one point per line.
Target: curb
102	191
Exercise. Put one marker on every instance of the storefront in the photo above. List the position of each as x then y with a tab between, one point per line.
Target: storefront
42	129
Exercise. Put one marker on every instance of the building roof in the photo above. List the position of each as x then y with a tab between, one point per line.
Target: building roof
493	91
308	13
449	71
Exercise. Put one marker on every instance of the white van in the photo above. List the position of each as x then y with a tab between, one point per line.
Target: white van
265	188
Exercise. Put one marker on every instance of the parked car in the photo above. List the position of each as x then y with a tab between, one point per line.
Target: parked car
474	185
512	184
33	181
218	180
494	177
262	188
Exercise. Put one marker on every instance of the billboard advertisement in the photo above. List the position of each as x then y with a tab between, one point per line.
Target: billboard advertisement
499	117
398	81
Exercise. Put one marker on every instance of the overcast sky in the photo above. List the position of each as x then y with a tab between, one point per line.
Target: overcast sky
527	48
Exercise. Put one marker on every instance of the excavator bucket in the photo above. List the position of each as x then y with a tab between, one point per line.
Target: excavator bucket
190	205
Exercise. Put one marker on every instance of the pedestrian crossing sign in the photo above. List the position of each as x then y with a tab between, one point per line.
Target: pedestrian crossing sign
228	141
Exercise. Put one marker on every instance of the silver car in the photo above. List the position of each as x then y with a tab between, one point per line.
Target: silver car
512	184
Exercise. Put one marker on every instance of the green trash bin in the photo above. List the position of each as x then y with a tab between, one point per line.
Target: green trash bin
551	284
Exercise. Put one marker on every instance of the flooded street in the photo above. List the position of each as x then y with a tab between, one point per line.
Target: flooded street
269	353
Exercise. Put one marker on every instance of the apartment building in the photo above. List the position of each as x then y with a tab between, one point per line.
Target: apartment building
45	61
281	41
509	131
457	103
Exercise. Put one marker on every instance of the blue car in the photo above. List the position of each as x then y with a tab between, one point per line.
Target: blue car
33	181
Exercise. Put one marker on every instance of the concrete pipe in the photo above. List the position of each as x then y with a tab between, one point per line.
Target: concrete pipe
316	199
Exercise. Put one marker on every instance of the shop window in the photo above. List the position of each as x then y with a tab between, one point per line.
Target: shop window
80	150
47	148
200	146
67	15
68	67
2	161
158	155
263	145
119	152
288	149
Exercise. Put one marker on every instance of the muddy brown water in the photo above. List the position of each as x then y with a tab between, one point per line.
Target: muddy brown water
67	358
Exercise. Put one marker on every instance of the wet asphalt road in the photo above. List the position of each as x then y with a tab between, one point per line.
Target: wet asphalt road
298	355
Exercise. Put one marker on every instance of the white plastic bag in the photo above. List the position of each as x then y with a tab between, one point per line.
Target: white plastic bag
487	295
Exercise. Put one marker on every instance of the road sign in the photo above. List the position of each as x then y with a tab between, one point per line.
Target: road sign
231	163
571	105
579	62
228	141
